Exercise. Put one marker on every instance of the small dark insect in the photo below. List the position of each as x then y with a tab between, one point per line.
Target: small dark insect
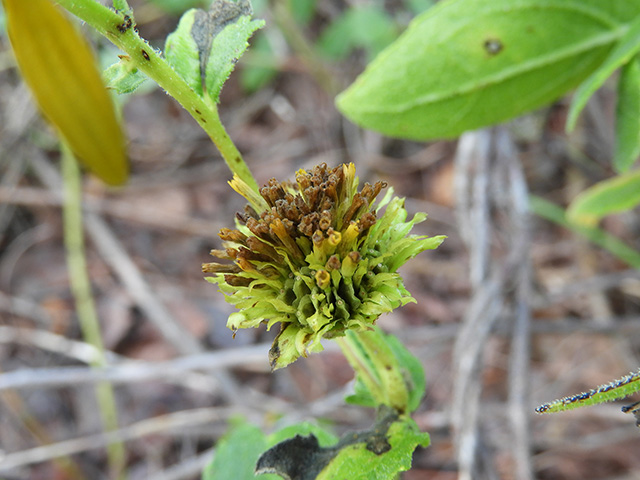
145	55
126	24
493	46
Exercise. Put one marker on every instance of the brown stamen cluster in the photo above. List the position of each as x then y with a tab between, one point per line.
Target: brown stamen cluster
299	216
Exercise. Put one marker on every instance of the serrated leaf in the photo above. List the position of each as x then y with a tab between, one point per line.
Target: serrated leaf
236	455
60	69
626	48
227	47
206	46
367	27
465	64
615	195
123	76
628	117
378	453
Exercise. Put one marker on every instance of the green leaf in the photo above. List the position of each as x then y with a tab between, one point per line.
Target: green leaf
628	117
615	195
359	462
613	245
615	390
58	65
367	27
226	48
236	455
626	48
206	46
123	76
375	454
466	64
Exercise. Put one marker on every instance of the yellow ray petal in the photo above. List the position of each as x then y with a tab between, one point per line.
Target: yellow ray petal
60	69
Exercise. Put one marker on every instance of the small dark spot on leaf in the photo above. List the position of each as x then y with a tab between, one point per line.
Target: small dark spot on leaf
198	111
493	46
145	55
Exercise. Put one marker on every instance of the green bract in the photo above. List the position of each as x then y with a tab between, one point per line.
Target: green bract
316	256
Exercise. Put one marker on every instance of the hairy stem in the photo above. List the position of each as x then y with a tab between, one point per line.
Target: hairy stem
119	28
377	366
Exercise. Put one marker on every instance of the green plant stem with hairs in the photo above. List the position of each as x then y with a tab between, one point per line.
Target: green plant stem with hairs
81	289
116	28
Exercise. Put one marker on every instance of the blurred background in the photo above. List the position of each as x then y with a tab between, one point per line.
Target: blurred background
512	310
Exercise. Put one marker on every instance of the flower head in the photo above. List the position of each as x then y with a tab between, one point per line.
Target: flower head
316	256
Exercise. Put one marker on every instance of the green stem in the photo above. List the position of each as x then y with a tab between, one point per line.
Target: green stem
377	366
121	33
81	289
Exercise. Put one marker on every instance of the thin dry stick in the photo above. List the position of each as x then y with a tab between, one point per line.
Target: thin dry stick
187	469
472	167
51	342
160	424
131	372
516	204
39	197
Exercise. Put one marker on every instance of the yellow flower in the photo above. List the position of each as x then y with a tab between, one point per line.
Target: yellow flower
314	256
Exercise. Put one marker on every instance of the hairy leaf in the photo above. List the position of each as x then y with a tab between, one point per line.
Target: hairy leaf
206	45
464	64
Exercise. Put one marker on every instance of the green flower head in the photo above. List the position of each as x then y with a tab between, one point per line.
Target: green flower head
317	256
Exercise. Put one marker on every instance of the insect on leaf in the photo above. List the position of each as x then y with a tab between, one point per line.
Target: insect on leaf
60	69
464	64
